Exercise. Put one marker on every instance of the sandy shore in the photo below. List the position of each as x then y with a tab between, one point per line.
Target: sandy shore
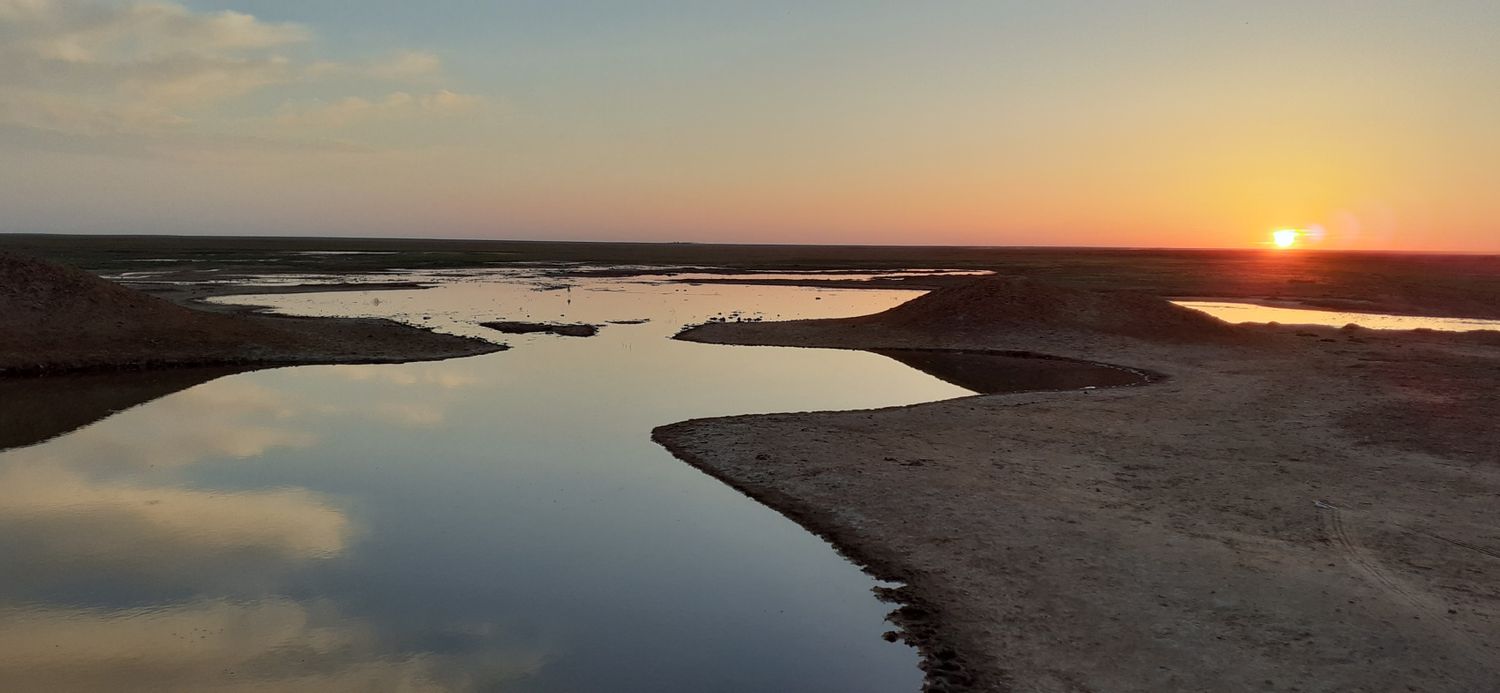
1311	510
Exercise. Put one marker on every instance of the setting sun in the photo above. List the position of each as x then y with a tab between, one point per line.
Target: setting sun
1284	238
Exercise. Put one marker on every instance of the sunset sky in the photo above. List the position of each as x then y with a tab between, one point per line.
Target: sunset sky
1199	124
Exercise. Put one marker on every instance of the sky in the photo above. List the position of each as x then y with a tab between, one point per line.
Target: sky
1367	124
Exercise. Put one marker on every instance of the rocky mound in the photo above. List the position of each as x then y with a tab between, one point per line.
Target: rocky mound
995	304
55	318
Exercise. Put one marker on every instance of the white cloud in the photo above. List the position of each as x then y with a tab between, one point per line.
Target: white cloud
161	70
393	106
408	65
95	69
81	32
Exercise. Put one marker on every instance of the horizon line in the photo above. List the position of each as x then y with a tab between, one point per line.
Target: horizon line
460	239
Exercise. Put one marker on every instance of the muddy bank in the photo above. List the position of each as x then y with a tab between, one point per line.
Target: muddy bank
1283	512
59	319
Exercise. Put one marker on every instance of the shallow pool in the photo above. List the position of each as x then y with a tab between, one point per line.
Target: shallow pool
496	522
1251	312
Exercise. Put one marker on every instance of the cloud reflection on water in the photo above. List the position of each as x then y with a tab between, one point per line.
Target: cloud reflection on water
63	531
222	645
230	417
164	520
446	526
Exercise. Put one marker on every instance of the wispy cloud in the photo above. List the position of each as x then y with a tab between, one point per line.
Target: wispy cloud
393	106
163	71
406	66
95	69
91	32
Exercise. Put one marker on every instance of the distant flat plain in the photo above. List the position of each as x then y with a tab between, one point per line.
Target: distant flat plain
1402	283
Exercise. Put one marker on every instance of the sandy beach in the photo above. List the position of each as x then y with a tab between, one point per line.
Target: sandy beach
1288	509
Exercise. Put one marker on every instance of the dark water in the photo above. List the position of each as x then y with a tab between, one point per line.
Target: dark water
502	522
990	372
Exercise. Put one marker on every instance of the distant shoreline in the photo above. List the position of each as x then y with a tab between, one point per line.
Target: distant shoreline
1438	285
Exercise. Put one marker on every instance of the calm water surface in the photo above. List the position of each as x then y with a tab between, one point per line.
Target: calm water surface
502	522
1251	312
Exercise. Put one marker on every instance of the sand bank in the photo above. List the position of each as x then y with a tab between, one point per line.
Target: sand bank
57	319
1308	510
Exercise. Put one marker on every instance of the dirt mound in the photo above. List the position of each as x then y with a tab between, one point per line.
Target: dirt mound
1012	304
51	313
56	318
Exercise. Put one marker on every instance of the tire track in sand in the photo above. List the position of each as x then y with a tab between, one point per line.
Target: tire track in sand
1428	607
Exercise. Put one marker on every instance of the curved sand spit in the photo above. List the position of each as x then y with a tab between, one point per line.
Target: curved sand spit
1291	509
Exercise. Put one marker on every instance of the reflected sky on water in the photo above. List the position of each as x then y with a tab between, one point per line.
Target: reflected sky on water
1251	312
501	522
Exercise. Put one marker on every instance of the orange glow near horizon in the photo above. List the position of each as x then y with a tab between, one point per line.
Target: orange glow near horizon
1069	123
